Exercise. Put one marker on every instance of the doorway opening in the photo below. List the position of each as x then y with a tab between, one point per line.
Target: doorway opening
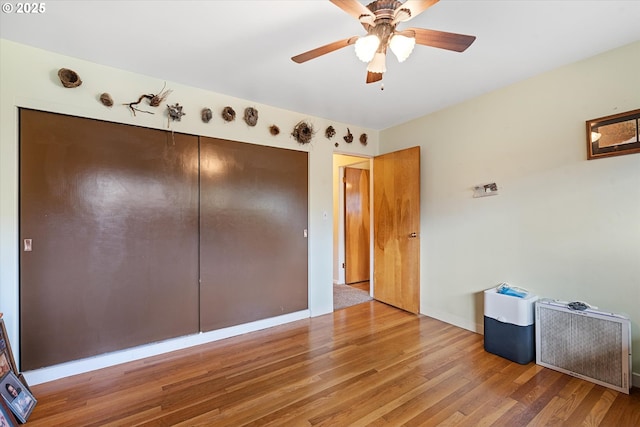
352	264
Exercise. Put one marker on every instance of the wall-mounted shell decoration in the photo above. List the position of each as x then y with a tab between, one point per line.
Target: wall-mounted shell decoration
303	132
206	115
348	137
251	116
175	112
228	114
274	130
69	78
330	132
106	100
363	139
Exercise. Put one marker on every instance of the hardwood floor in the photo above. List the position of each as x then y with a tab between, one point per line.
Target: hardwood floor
369	364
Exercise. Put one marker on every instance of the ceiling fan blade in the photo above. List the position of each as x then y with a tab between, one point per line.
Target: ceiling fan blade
440	39
414	8
355	9
323	50
373	77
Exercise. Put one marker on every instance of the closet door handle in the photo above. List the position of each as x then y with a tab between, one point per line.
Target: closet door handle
413	235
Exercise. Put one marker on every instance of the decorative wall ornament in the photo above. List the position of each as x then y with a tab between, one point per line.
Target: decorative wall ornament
348	137
69	78
228	114
303	132
251	116
206	115
330	132
336	145
106	100
154	100
274	130
363	139
175	112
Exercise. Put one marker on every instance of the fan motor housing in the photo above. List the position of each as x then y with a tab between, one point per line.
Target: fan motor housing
384	7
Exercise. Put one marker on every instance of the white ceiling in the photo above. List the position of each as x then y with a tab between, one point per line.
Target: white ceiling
243	48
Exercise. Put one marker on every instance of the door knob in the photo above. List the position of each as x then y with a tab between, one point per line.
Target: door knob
413	235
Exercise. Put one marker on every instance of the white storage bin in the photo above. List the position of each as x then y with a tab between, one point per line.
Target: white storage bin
509	309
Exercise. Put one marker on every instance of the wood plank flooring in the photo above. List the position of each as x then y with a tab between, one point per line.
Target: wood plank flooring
366	365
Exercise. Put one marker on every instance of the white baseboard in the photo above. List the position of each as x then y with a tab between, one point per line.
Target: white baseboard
635	379
453	320
75	367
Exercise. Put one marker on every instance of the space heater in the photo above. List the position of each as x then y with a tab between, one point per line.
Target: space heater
586	343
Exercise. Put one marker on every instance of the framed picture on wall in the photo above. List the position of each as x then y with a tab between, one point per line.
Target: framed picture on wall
613	135
18	398
7	363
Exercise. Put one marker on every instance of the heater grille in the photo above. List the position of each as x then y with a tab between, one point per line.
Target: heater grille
588	344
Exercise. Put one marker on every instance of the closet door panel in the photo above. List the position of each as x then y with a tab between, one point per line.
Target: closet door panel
253	247
112	213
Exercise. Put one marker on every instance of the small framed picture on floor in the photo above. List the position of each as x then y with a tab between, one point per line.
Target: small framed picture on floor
18	398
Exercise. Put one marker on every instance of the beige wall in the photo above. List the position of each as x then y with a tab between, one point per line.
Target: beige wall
28	78
562	227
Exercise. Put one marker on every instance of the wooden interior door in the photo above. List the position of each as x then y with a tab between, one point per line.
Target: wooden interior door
253	222
111	212
396	199
356	227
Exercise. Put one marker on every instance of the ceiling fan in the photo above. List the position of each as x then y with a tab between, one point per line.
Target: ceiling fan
380	19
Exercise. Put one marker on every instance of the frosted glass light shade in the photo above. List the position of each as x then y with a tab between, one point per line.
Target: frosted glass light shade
377	64
402	46
366	47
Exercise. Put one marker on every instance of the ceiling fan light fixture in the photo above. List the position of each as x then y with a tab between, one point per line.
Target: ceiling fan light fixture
366	47
402	46
377	64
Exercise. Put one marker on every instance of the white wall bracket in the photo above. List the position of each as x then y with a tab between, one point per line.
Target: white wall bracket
484	190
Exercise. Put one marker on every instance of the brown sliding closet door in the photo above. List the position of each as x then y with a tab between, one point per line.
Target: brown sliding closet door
112	215
253	213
